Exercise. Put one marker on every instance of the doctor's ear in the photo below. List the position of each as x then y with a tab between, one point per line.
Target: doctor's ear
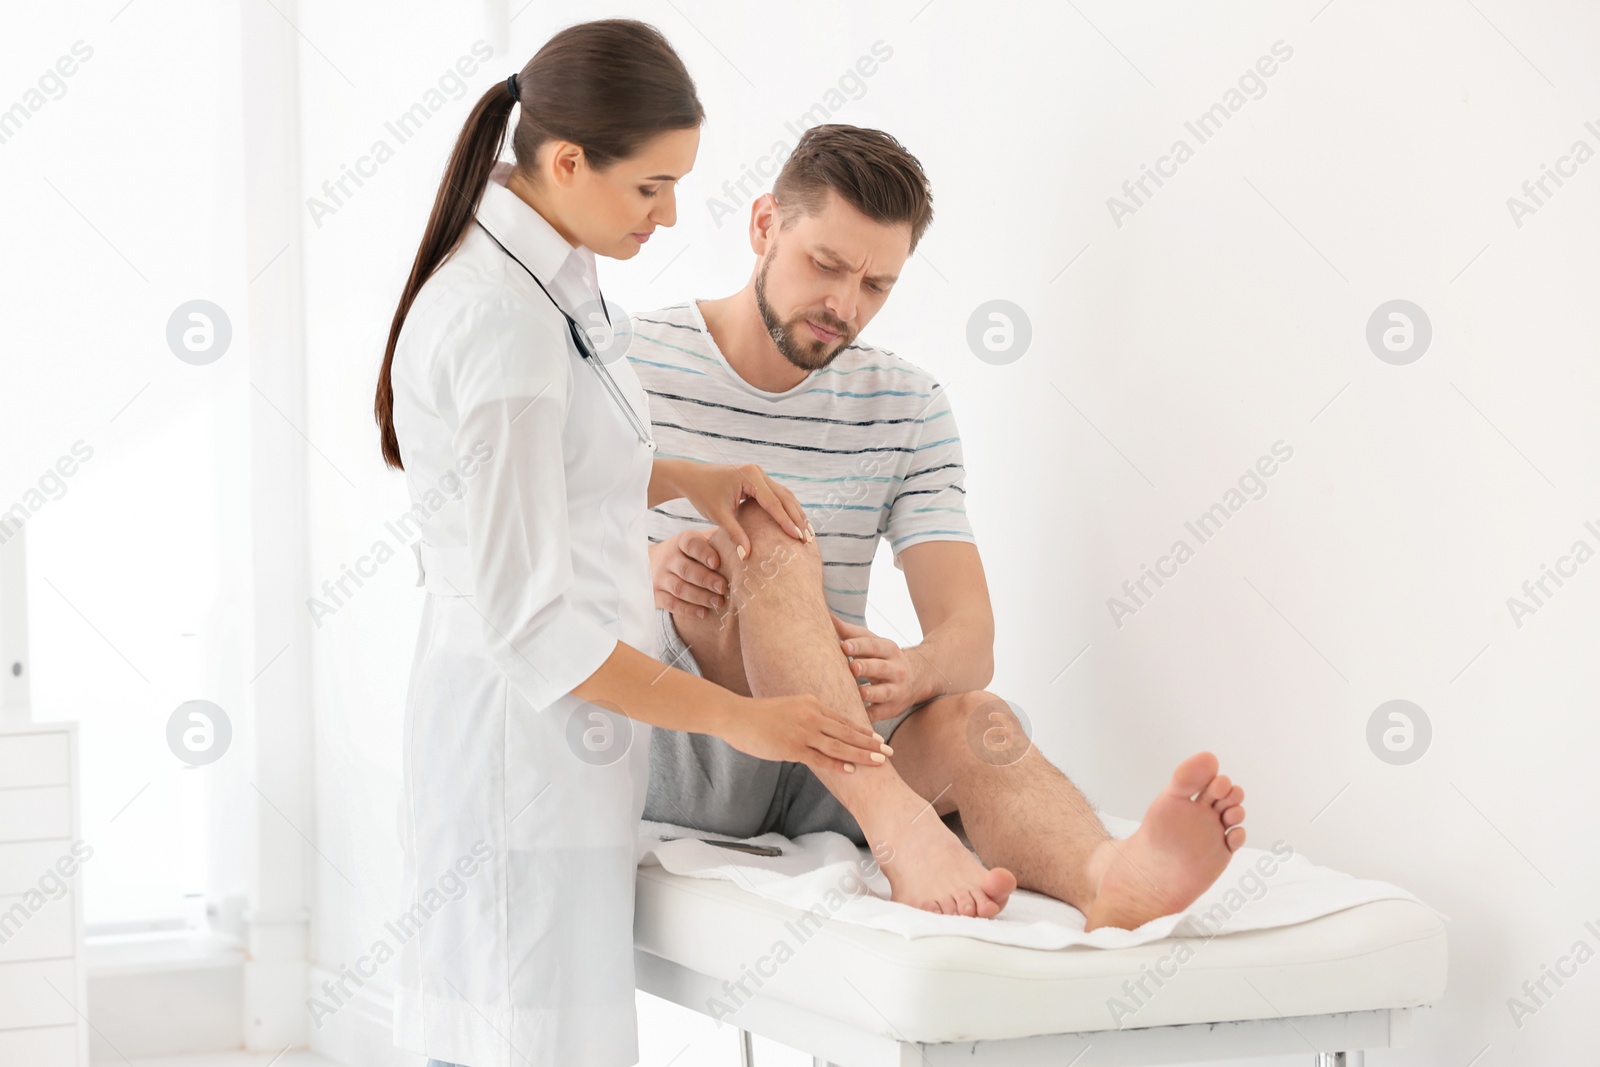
561	161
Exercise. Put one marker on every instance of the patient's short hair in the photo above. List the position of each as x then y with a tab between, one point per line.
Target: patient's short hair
871	170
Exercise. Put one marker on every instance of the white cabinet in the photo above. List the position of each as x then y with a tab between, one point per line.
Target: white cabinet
42	988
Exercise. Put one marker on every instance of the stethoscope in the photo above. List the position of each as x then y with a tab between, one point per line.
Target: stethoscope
581	340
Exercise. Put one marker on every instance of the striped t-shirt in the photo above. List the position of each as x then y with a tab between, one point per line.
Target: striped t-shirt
867	444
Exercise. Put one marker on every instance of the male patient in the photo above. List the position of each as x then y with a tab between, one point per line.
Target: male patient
775	375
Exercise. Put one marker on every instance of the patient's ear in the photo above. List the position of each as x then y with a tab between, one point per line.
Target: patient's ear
764	222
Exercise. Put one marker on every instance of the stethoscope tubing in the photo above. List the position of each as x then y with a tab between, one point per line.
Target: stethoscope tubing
580	340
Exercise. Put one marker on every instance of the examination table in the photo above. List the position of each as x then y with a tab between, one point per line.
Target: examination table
854	996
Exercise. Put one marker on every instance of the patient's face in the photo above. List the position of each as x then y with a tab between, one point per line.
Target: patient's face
823	277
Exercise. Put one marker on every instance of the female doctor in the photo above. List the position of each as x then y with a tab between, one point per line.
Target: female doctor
529	461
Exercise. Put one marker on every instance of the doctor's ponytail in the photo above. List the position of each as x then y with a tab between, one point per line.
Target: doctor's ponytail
607	86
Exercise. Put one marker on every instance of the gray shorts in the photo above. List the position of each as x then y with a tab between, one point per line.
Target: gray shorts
703	782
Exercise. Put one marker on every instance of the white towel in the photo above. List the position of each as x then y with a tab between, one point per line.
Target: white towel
828	873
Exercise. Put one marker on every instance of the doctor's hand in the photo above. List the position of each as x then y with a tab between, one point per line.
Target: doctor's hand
717	489
684	576
888	672
802	729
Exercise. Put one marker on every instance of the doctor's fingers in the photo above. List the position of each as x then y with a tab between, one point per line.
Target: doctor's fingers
776	500
834	753
667	602
848	730
792	505
696	591
696	544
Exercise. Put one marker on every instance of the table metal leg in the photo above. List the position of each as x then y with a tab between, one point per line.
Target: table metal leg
1341	1059
747	1049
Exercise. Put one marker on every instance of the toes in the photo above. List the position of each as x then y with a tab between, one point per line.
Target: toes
1192	775
966	905
1233	797
1233	816
987	909
999	884
1234	838
1217	789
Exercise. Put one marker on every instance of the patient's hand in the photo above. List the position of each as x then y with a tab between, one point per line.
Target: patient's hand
881	667
683	573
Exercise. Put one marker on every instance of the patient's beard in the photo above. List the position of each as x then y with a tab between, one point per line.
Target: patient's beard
797	343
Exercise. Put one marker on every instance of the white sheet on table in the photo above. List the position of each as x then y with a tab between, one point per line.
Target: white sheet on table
817	872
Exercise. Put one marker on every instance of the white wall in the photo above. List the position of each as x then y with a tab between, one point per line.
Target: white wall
121	202
1221	317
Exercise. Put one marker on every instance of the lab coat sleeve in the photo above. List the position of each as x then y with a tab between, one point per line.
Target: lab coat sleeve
509	375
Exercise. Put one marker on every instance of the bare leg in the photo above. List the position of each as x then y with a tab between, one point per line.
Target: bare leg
969	752
787	644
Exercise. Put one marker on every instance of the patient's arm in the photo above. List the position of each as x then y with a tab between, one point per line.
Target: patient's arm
951	597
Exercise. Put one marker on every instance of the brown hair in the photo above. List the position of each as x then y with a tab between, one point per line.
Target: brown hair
606	86
870	169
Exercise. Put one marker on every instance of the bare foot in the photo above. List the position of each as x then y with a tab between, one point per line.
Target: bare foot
929	868
1177	852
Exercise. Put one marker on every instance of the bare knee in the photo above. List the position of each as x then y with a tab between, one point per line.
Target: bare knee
955	710
984	723
774	553
937	746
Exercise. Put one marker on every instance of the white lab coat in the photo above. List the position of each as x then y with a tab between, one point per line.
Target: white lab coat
521	801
